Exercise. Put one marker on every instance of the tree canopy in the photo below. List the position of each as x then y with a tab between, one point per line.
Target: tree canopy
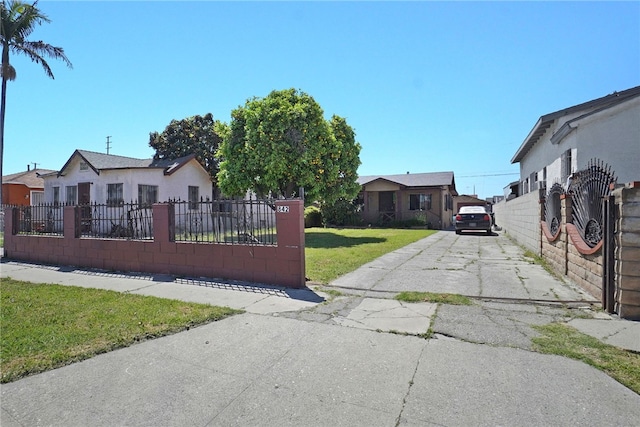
282	142
18	20
199	135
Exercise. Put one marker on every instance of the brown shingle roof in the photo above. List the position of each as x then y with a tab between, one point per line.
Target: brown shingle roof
29	178
431	179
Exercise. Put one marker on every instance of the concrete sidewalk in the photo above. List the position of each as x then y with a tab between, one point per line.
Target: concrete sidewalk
256	370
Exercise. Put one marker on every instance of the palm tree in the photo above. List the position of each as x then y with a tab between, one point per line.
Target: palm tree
18	22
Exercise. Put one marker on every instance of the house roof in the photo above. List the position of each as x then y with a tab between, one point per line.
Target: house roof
30	178
431	179
102	161
545	122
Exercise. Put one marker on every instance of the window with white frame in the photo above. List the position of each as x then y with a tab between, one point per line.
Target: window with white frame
115	195
84	166
72	195
147	195
56	196
194	196
419	202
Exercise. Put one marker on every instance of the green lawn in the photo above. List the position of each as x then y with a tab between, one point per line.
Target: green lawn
563	340
46	326
332	252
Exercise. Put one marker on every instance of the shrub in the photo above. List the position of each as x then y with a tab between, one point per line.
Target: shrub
341	213
312	217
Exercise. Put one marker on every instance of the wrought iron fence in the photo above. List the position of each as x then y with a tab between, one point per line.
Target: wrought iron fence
249	221
587	189
117	220
553	208
45	218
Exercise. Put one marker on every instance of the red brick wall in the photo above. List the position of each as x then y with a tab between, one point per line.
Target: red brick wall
281	265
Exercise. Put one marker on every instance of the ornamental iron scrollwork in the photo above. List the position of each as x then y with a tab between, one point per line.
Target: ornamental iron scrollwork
553	208
588	187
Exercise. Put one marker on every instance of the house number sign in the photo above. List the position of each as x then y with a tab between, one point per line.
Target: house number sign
283	209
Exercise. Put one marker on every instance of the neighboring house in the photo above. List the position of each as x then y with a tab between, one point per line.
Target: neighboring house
24	188
563	142
89	177
427	196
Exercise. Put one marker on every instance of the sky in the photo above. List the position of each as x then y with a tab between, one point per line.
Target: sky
427	86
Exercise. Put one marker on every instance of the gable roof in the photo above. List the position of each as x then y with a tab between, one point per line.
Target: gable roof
101	161
545	122
430	179
30	178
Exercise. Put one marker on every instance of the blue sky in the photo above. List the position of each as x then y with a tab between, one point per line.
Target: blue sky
427	86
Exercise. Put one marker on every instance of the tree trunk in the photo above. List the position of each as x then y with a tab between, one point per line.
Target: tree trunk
2	107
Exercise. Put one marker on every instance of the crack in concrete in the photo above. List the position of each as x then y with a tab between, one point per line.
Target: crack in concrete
411	381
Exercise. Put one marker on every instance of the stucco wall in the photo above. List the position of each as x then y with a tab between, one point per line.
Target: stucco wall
610	135
520	219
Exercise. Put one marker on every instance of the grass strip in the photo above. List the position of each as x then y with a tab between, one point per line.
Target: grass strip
441	298
47	326
563	340
332	252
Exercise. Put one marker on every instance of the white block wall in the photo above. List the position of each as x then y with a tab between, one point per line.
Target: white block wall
520	219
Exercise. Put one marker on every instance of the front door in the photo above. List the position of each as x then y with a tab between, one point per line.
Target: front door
84	200
387	206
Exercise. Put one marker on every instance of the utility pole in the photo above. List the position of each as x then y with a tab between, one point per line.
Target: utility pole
35	165
108	144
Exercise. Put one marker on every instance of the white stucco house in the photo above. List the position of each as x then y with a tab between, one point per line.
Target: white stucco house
564	141
90	177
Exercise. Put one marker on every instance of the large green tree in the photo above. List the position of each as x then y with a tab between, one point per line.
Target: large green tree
18	22
199	135
282	142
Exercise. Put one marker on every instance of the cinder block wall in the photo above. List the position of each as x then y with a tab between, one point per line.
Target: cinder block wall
520	219
282	265
627	256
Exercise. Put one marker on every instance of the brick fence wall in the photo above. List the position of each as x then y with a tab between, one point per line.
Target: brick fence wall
568	255
627	252
282	265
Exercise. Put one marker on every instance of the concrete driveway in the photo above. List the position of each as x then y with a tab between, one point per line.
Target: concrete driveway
471	264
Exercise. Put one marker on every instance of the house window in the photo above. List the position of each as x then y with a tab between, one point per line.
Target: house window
448	202
37	198
147	195
566	165
72	195
84	166
115	195
419	202
194	196
56	196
